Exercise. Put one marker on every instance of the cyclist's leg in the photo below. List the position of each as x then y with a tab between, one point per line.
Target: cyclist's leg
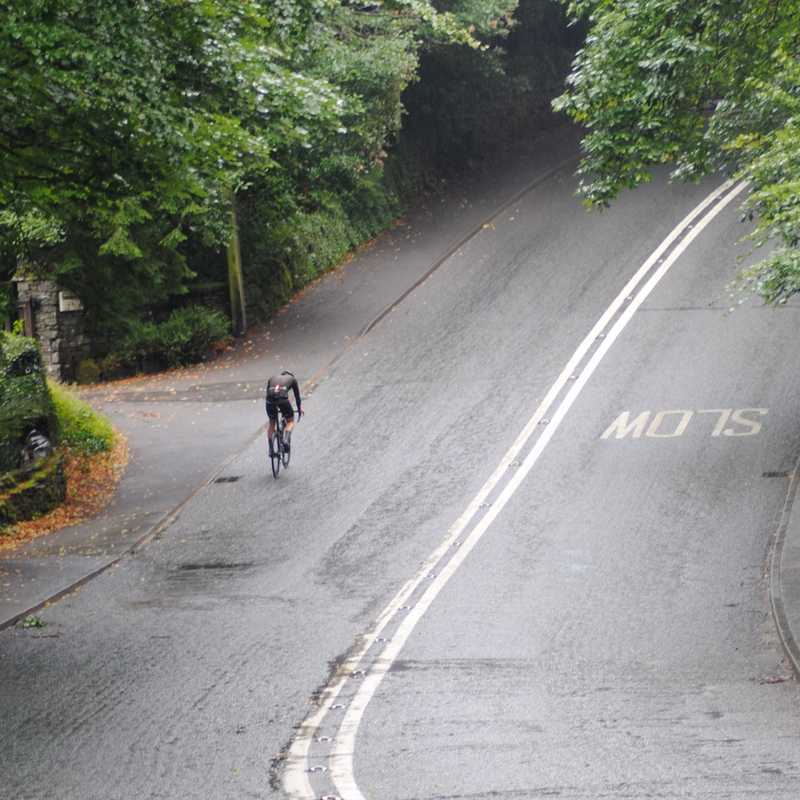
288	416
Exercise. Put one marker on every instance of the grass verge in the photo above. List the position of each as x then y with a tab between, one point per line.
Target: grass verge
81	428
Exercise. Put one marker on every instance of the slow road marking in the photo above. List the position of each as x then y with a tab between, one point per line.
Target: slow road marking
675	422
325	743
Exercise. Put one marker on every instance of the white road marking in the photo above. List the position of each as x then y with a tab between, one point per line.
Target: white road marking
340	761
623	425
656	429
722	420
753	427
637	427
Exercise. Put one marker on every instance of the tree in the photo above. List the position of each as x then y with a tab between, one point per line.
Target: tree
700	84
125	126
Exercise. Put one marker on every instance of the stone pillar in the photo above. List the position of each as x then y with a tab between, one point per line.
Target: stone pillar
57	325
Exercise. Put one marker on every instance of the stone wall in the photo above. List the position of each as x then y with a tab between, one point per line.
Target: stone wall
57	325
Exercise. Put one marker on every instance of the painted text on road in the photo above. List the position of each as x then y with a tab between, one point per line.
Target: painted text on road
675	422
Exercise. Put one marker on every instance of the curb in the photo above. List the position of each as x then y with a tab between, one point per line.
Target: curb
308	387
787	636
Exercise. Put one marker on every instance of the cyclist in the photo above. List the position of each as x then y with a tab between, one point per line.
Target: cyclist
278	387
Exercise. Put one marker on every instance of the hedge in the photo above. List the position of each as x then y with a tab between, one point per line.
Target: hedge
27	495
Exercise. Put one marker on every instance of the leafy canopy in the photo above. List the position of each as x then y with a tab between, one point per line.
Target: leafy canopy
115	114
699	84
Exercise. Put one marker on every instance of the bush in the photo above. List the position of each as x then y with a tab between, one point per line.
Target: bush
88	371
112	366
188	334
81	427
140	346
28	495
288	242
24	401
184	338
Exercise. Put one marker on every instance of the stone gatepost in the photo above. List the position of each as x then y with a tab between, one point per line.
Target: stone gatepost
55	318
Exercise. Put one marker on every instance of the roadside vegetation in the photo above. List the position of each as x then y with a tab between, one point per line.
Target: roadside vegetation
158	155
61	459
701	85
80	427
95	456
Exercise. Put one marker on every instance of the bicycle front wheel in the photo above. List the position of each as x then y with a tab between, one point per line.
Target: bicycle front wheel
275	454
287	454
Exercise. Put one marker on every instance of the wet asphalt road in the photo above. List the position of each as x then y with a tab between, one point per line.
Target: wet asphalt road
608	638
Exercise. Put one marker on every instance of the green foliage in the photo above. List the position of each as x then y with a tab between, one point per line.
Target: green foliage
761	136
188	333
24	400
124	126
111	366
185	337
702	84
82	428
371	57
141	346
89	371
28	230
777	277
454	107
6	305
285	245
304	215
24	495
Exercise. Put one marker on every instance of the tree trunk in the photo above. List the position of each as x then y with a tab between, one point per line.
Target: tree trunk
235	278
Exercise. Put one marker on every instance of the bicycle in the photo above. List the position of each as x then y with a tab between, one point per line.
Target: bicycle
276	449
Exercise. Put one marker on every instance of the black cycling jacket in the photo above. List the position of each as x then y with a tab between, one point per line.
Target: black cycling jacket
278	387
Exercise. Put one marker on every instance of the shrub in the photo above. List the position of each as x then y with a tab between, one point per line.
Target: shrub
81	427
188	334
183	338
24	401
289	239
112	366
140	345
88	371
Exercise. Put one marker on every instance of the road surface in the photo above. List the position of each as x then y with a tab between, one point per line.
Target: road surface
606	635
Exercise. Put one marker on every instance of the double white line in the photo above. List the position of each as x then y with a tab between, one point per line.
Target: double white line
344	718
